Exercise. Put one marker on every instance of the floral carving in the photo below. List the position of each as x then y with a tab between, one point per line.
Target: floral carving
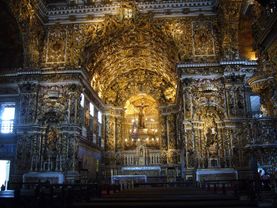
56	46
203	39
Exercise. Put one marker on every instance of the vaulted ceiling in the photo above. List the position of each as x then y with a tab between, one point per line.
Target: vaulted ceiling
135	57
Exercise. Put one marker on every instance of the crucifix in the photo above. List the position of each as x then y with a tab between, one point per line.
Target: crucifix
141	123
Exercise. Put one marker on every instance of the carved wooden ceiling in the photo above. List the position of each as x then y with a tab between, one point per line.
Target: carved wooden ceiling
135	56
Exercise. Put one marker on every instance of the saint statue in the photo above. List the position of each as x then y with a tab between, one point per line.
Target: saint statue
141	123
51	138
211	136
141	152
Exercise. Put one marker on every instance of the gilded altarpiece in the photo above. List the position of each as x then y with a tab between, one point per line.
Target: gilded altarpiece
215	124
48	139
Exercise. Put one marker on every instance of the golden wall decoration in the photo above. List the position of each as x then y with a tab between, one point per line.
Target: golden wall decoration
136	82
203	113
203	38
272	53
31	29
56	46
228	15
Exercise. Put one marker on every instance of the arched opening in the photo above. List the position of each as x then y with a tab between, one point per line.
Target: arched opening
141	122
141	131
11	49
133	70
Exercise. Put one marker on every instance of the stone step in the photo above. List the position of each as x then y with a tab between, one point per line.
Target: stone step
167	197
166	204
169	192
183	196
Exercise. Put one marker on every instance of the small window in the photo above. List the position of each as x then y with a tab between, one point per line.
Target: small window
7	118
99	130
99	116
91	109
255	103
82	101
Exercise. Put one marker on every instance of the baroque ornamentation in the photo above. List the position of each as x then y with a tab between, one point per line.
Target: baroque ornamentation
56	46
208	102
229	13
136	82
110	59
203	38
31	28
28	98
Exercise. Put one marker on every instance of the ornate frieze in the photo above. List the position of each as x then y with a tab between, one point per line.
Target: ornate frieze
97	11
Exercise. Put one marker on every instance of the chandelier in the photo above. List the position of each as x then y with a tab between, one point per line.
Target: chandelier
147	135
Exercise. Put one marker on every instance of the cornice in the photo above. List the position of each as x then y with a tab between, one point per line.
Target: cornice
96	13
62	71
215	64
217	70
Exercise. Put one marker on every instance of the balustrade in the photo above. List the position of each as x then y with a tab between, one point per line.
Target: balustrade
132	159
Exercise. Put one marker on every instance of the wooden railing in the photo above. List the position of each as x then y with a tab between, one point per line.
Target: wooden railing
250	188
60	195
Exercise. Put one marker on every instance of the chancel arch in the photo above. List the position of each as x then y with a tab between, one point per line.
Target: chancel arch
133	69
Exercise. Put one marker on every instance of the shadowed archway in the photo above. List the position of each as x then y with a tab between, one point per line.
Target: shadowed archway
11	47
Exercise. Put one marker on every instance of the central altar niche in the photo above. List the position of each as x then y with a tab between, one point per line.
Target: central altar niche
141	131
